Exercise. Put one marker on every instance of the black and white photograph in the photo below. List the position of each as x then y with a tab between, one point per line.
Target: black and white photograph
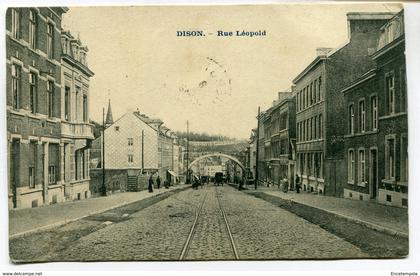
238	132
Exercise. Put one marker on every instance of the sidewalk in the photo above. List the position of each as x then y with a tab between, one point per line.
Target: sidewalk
24	221
383	218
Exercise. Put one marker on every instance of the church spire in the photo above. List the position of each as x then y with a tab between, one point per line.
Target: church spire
109	120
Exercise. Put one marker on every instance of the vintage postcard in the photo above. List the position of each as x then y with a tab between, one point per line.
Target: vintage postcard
208	132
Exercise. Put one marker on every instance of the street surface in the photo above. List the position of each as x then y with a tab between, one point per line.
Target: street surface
164	231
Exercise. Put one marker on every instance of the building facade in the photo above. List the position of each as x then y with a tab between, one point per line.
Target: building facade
138	146
279	141
76	131
376	140
33	98
320	105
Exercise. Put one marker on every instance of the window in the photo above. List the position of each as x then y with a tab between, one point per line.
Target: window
404	159
76	105
316	96
33	94
130	158
51	175
130	141
304	97
301	100
319	87
403	89
67	103
32	162
311	129
307	96
85	107
297	101
351	119
50	98
50	41
311	94
362	177
390	92
374	112
32	28
390	158
362	116
350	170
117	128
307	130
315	128
320	126
16	23
16	86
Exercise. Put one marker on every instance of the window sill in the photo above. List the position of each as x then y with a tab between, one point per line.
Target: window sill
350	182
362	184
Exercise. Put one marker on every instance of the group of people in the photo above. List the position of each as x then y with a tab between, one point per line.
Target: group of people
158	183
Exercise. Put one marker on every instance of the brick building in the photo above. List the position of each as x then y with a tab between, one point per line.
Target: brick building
261	164
376	136
33	98
320	105
76	131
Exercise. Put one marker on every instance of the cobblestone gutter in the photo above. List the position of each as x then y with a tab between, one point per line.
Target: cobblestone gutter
376	244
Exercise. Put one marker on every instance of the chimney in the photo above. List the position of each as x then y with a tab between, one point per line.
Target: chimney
323	51
365	22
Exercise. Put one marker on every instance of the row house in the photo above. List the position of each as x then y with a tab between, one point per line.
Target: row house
251	156
261	163
376	124
279	140
76	130
33	99
320	105
139	146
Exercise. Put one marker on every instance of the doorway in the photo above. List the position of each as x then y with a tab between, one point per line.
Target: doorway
373	173
14	169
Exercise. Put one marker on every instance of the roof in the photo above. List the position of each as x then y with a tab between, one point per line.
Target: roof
366	76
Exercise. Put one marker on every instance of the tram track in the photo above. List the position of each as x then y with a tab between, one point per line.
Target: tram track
198	214
232	242
187	244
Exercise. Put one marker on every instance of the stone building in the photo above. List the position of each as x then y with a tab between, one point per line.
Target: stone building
261	162
251	156
76	131
376	124
137	146
320	105
33	99
280	139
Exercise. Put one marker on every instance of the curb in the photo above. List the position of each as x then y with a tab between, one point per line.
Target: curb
369	225
60	223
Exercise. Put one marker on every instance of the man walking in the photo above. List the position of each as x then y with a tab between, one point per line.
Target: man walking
158	182
297	183
150	187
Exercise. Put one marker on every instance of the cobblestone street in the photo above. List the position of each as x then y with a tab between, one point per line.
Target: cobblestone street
164	229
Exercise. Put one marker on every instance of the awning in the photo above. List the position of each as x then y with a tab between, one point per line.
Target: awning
173	173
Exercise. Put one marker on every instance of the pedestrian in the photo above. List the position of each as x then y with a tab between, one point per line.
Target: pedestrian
158	182
150	187
297	183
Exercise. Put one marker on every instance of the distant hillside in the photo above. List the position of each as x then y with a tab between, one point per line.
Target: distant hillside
203	137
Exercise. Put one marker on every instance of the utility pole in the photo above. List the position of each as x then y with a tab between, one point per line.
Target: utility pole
257	154
142	150
187	181
103	153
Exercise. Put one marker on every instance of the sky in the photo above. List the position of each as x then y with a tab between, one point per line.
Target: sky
216	83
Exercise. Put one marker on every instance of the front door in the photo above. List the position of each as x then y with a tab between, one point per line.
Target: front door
14	167
374	173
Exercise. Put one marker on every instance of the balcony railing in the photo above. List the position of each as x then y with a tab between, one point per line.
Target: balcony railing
77	130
